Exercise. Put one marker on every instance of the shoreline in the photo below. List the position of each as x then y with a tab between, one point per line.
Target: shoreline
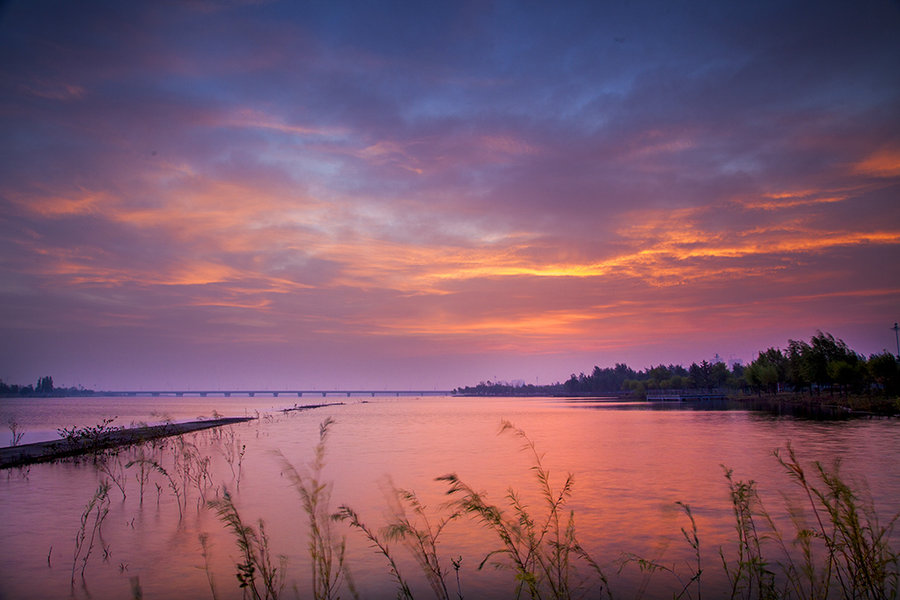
37	452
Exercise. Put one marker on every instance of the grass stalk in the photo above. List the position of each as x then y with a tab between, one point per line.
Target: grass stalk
255	554
155	466
348	515
204	552
327	554
98	508
420	537
539	549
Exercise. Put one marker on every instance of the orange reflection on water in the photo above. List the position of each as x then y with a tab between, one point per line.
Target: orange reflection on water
630	465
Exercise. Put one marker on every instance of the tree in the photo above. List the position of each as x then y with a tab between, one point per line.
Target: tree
768	371
797	354
884	369
718	374
44	385
701	375
846	374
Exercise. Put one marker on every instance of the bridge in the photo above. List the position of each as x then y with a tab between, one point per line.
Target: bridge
274	393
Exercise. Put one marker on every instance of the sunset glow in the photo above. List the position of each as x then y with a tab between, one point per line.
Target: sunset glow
236	194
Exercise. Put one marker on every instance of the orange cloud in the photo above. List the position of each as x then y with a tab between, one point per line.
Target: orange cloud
882	163
54	205
793	199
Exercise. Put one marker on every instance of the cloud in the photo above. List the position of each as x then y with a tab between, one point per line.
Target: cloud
578	181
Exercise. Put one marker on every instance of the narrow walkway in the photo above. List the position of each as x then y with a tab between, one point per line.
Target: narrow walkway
26	454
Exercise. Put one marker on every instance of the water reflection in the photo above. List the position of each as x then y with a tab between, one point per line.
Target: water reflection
629	465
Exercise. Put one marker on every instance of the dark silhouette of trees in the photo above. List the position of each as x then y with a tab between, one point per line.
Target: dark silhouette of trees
825	364
822	365
44	387
884	371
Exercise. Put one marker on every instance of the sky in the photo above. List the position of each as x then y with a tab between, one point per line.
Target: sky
230	194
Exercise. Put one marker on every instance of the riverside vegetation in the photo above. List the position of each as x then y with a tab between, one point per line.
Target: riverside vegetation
823	370
836	546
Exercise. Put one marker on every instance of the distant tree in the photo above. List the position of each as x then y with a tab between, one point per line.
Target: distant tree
44	385
718	374
736	376
768	372
676	382
701	375
846	374
798	371
884	371
572	384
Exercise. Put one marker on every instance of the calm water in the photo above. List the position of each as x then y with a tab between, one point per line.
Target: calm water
630	463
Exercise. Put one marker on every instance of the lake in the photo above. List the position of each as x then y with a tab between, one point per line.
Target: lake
630	462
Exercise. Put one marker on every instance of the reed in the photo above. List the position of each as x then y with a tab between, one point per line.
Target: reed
420	536
16	434
142	475
326	551
348	515
858	557
109	464
232	450
203	538
193	468
94	514
749	574
836	547
255	553
542	548
154	465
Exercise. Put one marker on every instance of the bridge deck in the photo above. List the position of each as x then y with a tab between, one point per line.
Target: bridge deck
275	393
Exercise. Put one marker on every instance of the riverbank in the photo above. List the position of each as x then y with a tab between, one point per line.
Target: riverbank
26	454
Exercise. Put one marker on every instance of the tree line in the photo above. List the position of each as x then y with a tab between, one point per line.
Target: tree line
44	387
824	364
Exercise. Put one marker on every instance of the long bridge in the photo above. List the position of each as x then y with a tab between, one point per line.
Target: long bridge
274	393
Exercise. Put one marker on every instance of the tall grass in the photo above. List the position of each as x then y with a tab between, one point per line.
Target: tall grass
90	530
326	550
749	574
541	547
348	515
16	434
858	560
833	544
153	465
420	536
834	547
255	554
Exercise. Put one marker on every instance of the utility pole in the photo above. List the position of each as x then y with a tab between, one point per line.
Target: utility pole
896	329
